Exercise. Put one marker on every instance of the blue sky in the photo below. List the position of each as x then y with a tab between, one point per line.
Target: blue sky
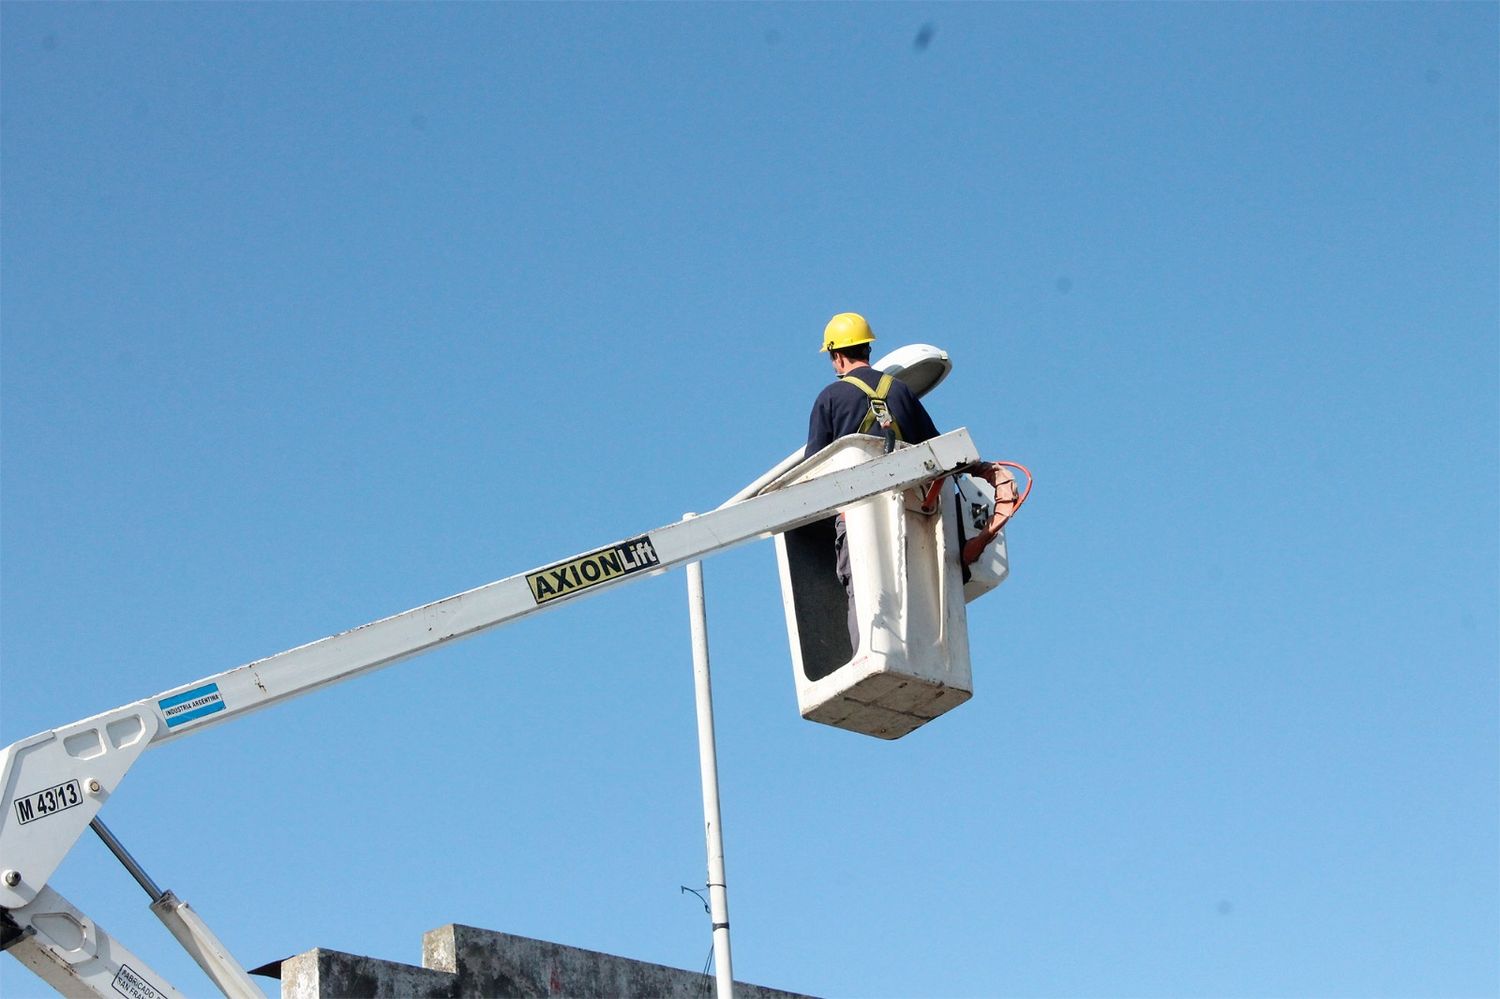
314	313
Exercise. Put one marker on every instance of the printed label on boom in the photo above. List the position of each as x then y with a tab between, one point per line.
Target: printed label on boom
191	705
48	802
133	985
567	578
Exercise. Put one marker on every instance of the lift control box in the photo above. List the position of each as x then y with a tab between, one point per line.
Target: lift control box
976	504
901	657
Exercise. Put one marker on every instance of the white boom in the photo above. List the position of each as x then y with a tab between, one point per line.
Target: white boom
54	783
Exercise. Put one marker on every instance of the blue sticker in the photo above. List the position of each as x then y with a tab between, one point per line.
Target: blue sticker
191	704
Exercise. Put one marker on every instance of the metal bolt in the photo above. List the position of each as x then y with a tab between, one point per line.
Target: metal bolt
12	878
94	786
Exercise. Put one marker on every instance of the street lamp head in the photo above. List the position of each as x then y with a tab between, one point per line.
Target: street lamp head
920	366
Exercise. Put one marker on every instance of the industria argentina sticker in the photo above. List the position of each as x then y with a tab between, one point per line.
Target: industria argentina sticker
567	578
191	705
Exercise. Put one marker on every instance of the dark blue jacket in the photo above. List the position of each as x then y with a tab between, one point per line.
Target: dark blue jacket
840	409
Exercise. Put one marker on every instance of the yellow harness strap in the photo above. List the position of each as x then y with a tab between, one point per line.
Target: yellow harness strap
878	408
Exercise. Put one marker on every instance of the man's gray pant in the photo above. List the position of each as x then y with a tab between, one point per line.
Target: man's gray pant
841	567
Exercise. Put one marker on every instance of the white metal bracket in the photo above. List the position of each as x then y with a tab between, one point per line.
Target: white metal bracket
54	784
74	955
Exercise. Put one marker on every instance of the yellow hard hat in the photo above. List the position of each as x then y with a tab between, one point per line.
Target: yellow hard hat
845	330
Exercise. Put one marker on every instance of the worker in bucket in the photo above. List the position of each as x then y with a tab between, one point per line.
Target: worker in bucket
863	400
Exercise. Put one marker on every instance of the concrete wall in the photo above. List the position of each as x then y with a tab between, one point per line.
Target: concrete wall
462	962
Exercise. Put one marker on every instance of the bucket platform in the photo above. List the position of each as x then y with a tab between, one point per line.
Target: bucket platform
911	663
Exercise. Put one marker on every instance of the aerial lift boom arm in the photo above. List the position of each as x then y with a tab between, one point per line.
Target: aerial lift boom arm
53	784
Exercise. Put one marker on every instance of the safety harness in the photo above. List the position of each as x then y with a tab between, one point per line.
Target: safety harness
878	412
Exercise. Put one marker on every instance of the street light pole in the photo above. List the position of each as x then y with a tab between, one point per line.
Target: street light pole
708	764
